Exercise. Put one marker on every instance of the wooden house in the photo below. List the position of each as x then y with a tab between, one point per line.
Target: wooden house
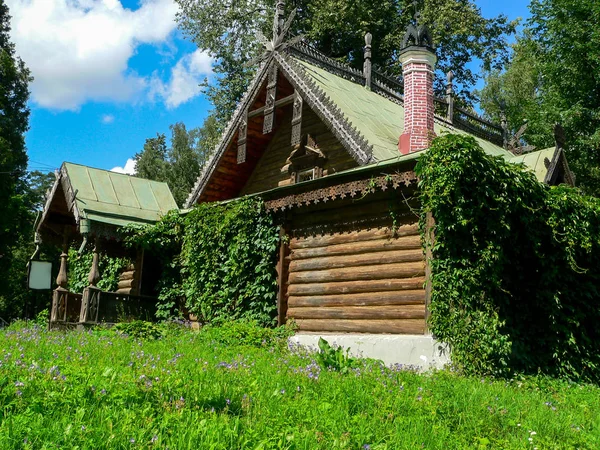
90	206
332	150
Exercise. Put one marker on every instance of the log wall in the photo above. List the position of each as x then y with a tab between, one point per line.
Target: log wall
364	281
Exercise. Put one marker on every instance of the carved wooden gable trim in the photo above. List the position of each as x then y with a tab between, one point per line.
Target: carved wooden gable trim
270	100
305	92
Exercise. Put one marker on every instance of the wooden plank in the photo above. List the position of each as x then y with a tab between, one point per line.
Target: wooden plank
282	274
397	326
356	287
407	297
358	248
359	312
367	259
344	238
400	270
282	102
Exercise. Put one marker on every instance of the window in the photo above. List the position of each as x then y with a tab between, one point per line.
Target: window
305	175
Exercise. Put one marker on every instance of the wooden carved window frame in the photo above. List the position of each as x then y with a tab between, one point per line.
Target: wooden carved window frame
305	158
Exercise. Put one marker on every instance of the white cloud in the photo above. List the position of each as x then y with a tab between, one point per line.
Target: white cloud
184	81
107	118
78	50
129	168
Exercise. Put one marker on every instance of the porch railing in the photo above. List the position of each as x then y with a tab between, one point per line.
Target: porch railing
95	306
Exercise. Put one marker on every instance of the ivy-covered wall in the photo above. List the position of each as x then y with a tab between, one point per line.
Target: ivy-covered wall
516	265
218	261
79	268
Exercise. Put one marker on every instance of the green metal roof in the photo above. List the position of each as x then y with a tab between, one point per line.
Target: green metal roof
115	198
536	161
380	121
377	118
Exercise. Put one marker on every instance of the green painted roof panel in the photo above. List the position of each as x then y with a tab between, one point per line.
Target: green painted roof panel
536	161
377	118
116	198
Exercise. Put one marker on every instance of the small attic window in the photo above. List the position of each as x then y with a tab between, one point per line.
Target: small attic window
306	161
305	175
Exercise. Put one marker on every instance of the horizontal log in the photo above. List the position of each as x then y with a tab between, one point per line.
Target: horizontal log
359	312
128	275
397	326
356	287
400	270
367	259
358	248
344	238
407	297
361	207
124	291
123	284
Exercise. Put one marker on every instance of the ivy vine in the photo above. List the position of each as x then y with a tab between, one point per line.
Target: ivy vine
516	265
218	261
80	265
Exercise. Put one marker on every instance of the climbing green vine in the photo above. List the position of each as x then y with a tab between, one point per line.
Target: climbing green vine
516	265
218	261
80	265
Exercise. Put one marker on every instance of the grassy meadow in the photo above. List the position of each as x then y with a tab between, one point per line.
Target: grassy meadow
226	389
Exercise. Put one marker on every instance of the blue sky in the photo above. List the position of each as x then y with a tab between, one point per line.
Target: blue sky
97	96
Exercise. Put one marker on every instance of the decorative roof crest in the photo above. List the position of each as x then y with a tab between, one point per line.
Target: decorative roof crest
280	30
418	35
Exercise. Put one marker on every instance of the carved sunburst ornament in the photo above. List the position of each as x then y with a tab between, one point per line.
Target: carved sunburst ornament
280	30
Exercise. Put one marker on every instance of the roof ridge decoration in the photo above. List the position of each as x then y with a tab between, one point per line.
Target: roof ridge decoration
417	34
327	110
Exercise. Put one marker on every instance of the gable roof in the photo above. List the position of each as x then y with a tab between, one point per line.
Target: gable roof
368	123
109	198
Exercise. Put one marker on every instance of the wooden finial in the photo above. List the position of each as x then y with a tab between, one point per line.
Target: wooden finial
279	19
94	275
61	279
367	67
450	96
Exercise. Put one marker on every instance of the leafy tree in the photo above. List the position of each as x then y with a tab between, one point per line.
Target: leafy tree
14	122
554	77
150	163
337	28
183	166
179	164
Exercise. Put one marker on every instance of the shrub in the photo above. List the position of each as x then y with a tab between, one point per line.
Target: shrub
247	333
139	329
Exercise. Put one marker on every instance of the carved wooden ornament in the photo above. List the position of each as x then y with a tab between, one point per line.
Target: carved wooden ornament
297	119
270	101
242	137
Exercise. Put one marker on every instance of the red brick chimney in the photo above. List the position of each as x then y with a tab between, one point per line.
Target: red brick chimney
418	67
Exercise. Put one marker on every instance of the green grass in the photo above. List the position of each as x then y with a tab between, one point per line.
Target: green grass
205	391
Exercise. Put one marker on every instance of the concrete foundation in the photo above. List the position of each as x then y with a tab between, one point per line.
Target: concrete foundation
422	352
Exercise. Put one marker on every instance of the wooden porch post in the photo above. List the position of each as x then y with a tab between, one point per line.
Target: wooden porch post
282	276
94	275
90	302
59	296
